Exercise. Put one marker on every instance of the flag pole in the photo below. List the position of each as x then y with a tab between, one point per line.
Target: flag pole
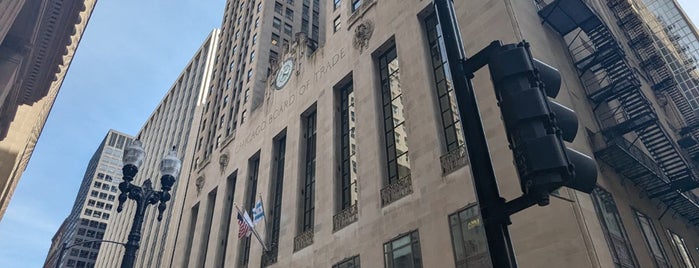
252	227
262	204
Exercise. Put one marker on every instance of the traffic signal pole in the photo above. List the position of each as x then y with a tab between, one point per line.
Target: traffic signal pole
493	207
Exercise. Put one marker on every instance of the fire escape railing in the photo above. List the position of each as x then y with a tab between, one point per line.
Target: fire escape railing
622	109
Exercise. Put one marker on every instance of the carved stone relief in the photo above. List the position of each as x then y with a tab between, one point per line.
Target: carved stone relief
362	34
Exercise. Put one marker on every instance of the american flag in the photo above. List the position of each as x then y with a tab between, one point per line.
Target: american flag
244	229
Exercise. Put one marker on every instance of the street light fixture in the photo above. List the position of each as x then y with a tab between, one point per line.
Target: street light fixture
144	195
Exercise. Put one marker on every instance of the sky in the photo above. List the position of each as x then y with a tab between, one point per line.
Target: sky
130	54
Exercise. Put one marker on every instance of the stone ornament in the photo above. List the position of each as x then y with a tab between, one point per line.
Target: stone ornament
199	184
223	161
362	33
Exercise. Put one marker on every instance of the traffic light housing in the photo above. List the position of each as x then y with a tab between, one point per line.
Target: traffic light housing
537	126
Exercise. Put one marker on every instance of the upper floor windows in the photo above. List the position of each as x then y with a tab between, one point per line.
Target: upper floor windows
278	8
355	5
336	4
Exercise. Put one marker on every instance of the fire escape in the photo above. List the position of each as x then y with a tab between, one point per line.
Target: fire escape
657	70
637	144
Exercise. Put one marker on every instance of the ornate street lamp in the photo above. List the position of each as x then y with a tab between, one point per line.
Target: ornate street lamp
144	195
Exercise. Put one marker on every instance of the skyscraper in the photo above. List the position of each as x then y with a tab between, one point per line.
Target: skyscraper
38	39
94	206
175	122
353	145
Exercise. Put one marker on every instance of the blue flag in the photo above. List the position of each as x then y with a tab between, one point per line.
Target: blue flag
258	212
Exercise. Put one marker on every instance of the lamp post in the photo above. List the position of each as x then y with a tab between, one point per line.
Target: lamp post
144	195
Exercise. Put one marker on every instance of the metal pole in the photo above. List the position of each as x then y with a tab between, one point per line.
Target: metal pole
134	239
144	196
495	216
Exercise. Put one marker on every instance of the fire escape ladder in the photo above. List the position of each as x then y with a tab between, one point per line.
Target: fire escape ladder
660	168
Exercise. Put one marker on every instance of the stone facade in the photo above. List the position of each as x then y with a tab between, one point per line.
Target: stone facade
567	233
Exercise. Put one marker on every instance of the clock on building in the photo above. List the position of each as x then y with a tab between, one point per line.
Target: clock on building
284	73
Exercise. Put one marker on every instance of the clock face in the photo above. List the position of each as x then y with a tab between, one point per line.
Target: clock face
284	73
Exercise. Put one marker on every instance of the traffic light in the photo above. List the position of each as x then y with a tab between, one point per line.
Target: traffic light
537	126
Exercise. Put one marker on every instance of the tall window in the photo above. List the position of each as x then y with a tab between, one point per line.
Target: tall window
253	171
204	246
619	244
351	262
453	135
652	241
393	117
190	234
681	249
225	227
308	191
275	210
403	252
468	239
348	157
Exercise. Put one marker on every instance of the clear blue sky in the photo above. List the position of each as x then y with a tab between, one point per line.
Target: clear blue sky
130	54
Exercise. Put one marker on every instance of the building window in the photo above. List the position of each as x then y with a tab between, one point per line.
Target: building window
336	4
397	159
254	39
287	28
88	212
403	251
259	7
289	14
453	136
250	196
276	23
336	24
309	169
348	175
275	210
249	75
225	225
468	238
681	249
275	39
257	22
252	56
278	8
652	240
243	116
351	262
356	4
619	244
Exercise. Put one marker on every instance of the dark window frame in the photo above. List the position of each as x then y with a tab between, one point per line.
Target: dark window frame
347	183
678	251
415	251
310	121
250	195
660	260
600	196
351	262
387	97
276	187
474	259
445	93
